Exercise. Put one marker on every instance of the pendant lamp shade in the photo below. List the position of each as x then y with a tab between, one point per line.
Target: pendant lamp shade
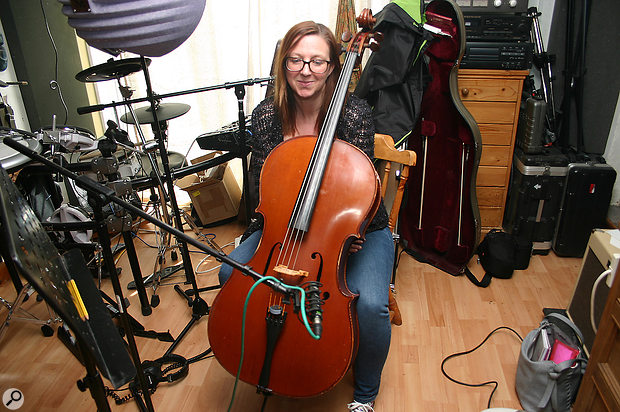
145	27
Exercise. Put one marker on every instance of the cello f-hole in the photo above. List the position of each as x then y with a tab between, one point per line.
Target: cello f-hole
267	265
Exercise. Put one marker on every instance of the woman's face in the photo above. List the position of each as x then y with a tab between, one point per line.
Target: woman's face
305	84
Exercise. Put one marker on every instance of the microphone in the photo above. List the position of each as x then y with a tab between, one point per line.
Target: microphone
313	306
317	323
117	135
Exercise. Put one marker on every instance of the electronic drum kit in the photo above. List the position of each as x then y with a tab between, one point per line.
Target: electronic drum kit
76	142
73	139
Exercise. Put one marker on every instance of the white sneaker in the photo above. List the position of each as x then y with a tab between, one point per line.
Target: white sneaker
355	406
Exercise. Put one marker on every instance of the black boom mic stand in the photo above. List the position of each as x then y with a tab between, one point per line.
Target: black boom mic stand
199	306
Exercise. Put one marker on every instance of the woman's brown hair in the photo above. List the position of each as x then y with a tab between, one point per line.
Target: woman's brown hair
283	99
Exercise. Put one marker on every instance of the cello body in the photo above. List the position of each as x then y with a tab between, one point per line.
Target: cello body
440	219
300	366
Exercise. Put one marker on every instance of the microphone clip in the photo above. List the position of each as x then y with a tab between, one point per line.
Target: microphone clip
313	306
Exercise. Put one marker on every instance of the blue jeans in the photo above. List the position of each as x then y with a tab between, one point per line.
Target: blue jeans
368	274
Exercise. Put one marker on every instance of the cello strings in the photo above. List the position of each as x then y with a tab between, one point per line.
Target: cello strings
294	235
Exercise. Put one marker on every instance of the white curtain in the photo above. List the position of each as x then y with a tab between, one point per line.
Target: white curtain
234	41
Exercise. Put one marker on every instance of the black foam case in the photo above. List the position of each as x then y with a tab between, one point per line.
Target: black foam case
584	206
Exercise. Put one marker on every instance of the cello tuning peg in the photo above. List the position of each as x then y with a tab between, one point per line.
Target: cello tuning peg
378	36
346	36
374	45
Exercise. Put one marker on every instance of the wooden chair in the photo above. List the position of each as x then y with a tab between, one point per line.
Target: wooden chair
385	151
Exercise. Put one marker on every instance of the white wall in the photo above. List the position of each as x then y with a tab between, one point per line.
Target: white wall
545	7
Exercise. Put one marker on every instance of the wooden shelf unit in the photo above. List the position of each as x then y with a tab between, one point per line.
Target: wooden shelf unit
493	98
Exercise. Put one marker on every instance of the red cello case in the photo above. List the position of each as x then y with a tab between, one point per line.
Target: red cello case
440	219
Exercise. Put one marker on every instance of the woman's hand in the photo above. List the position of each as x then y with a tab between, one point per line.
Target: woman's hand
356	246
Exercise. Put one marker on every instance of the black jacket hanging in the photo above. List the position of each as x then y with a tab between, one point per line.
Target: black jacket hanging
394	78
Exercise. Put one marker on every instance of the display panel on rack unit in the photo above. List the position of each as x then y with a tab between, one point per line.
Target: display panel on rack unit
491	6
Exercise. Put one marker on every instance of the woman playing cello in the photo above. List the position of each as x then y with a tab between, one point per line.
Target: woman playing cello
307	69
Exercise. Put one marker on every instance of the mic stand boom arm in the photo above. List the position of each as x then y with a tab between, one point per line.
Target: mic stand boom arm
227	85
108	194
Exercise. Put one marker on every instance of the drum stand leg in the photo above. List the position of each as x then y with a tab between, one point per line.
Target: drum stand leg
15	308
16	312
158	130
96	203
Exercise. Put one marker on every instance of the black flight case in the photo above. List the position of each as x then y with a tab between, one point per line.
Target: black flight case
535	196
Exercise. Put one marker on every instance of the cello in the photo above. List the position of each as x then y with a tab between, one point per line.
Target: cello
317	195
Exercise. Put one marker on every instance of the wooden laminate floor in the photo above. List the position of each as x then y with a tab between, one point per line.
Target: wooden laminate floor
441	315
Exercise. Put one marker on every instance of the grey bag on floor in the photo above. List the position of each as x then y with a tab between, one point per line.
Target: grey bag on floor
543	385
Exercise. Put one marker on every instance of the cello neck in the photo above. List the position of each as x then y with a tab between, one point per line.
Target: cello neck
300	220
302	213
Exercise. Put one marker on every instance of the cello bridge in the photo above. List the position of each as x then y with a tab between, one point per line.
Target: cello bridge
290	276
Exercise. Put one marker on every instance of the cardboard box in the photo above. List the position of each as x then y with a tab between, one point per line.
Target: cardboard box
214	192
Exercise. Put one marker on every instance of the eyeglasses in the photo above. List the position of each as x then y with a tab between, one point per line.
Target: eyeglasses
317	66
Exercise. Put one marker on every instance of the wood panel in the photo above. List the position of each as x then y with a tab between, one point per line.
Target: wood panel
496	134
498	112
480	89
495	155
490	196
491	216
491	176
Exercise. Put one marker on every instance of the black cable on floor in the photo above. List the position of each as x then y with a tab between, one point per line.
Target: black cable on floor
475	385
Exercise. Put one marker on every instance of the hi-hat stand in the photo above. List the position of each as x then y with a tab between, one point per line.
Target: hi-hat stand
156	200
